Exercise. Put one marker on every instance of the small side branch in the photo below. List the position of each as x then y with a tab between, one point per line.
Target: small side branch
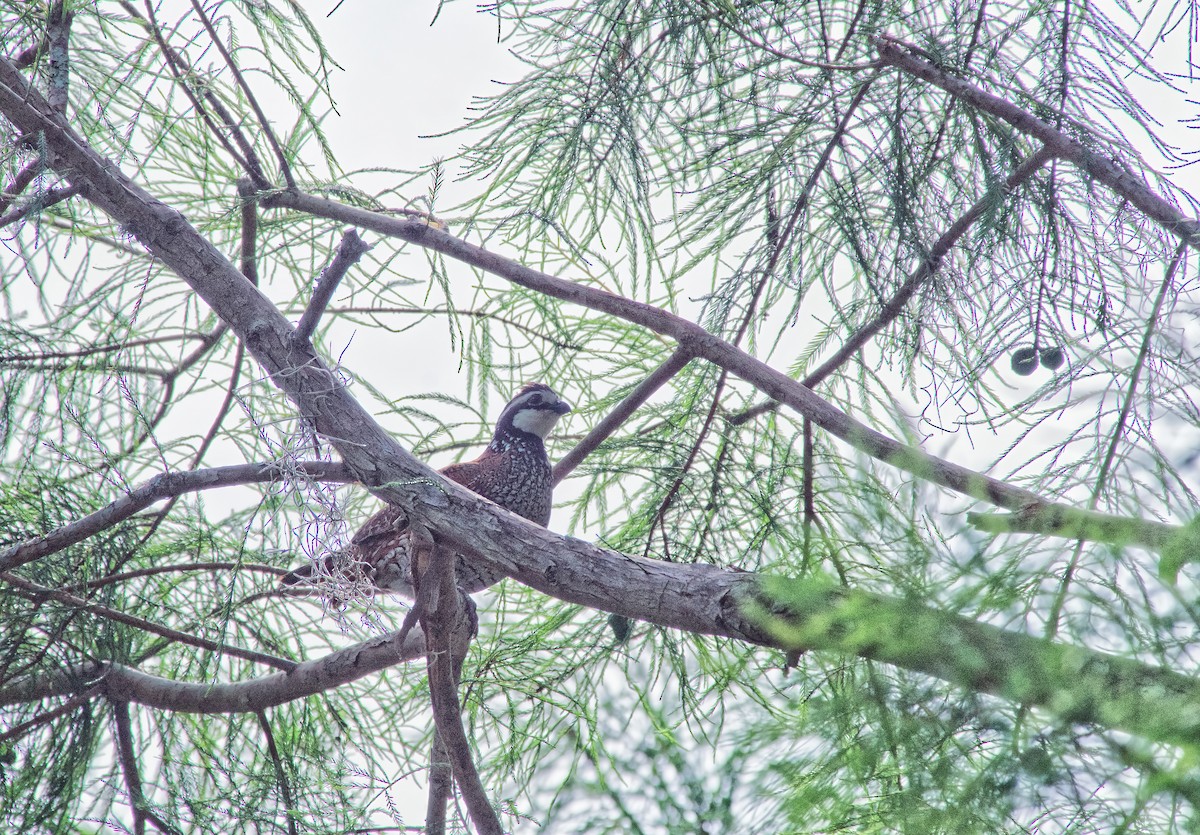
917	279
38	592
250	97
351	248
624	410
38	203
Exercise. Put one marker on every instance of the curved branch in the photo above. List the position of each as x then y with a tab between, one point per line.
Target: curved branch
305	679
164	486
1126	184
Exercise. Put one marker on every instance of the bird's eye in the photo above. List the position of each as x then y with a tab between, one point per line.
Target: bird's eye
536	400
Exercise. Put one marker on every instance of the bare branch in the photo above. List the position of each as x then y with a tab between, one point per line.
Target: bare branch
305	679
623	411
18	731
108	348
160	487
249	247
38	592
20	182
349	250
693	338
129	765
128	758
38	203
1126	184
280	774
58	30
459	311
150	571
244	154
448	628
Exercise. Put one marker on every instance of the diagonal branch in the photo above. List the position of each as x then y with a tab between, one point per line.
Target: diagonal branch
623	411
904	293
244	153
163	486
38	592
349	250
1126	184
249	93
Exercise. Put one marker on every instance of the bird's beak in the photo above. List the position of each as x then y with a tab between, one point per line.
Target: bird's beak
562	407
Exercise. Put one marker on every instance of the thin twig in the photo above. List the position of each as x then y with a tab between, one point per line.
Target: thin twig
241	82
177	568
459	311
621	413
1135	378
108	348
39	203
280	774
161	487
36	591
349	250
244	154
18	731
20	182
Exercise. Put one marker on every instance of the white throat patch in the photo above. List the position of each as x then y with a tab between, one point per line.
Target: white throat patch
536	421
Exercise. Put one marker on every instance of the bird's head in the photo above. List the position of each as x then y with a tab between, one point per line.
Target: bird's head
534	409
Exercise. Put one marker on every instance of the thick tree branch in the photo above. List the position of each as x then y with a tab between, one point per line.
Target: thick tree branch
164	486
1120	180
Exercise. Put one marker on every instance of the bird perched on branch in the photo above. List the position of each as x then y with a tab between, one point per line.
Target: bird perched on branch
513	472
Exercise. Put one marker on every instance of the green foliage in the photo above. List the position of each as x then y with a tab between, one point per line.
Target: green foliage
687	155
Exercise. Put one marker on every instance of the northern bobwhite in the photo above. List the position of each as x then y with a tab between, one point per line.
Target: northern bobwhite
513	472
